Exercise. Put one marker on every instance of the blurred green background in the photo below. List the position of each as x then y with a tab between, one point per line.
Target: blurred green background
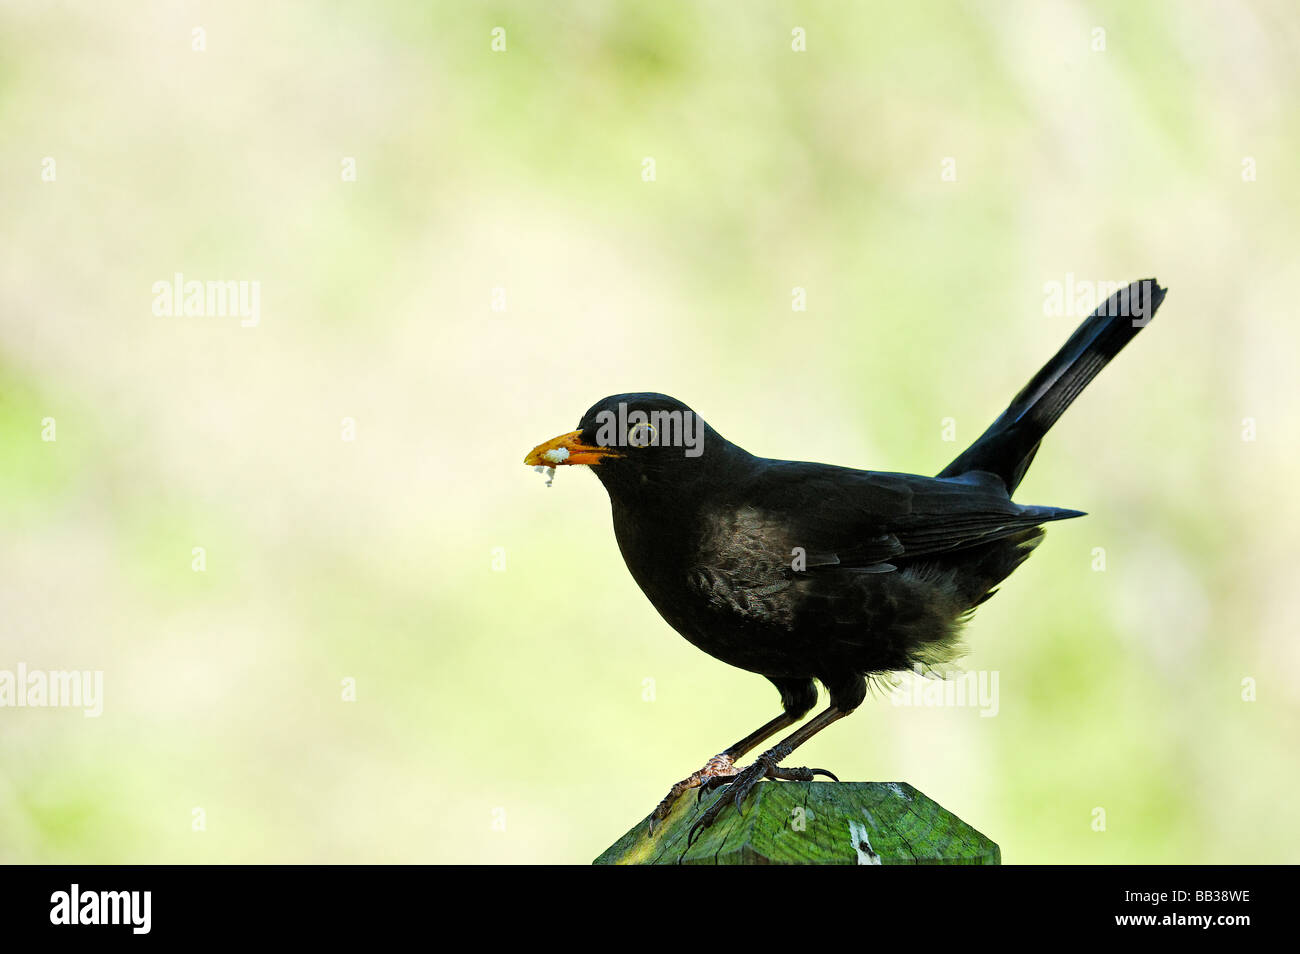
504	714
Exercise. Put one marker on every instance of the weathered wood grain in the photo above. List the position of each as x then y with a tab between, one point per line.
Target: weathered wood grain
812	823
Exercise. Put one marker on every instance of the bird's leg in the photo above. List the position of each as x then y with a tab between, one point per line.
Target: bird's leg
720	766
768	765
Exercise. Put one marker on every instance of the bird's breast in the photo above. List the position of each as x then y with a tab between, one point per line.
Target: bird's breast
719	596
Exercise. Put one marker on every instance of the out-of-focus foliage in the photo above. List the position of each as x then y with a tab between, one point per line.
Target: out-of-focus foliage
533	713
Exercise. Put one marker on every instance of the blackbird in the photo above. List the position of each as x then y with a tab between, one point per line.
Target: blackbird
802	571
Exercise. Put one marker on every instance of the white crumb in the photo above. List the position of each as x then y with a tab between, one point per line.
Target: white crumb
548	471
557	455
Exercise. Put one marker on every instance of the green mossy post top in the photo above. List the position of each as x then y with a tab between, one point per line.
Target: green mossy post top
811	823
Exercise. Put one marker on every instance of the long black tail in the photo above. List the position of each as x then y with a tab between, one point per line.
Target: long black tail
1009	445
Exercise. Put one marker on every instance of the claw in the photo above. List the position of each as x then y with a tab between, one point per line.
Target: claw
742	782
694	833
717	781
706	820
716	768
745	785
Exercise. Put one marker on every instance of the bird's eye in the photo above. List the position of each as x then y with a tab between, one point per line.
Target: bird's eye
641	435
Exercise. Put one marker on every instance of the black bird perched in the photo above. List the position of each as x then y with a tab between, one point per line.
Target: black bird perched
802	572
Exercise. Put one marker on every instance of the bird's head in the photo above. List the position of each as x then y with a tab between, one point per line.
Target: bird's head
638	445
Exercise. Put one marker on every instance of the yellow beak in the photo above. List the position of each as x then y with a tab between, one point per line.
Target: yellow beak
568	449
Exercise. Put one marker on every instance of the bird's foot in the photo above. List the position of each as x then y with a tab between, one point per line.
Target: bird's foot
718	767
765	766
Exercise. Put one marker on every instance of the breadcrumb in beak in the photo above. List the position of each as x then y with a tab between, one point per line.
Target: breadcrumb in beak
548	471
557	455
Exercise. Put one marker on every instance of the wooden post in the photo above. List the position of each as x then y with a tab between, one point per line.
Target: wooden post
811	823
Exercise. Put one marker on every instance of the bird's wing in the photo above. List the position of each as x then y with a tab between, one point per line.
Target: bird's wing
870	520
